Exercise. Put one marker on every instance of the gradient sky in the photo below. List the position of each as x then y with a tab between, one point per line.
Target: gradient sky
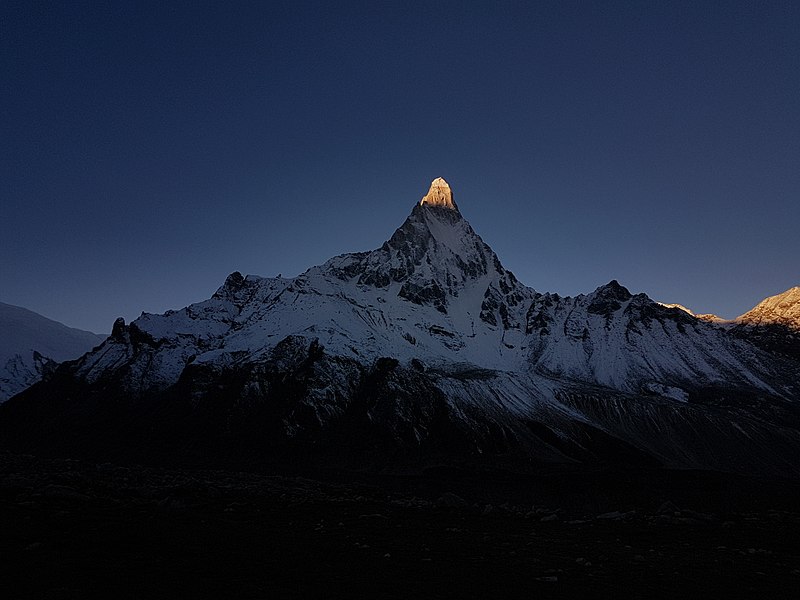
149	149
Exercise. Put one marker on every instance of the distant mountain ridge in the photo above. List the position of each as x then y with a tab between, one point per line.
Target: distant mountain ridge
773	324
426	349
31	345
781	309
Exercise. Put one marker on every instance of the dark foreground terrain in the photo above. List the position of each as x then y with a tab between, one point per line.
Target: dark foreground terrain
72	529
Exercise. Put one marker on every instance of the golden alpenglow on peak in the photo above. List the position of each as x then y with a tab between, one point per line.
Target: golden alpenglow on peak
440	194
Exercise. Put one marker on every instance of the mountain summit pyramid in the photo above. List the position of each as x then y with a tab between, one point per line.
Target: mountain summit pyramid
435	258
425	350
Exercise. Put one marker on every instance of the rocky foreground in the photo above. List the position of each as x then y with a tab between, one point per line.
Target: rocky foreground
76	530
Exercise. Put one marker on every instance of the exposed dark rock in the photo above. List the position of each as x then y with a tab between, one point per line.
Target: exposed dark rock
119	330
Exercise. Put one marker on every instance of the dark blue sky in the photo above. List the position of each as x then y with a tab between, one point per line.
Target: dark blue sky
149	149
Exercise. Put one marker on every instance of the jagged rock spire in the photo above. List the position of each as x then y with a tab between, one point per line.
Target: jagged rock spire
440	194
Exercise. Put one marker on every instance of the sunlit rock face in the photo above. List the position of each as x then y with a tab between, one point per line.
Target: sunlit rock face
440	194
773	324
783	309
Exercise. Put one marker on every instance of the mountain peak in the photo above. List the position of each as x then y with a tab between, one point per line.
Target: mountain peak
436	258
783	308
440	195
613	289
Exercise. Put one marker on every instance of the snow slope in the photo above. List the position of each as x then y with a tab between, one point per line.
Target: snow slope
30	344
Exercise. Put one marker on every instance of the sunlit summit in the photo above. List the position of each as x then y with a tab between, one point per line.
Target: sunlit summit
440	194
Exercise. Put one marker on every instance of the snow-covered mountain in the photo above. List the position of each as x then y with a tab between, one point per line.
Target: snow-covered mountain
782	309
773	324
31	345
428	347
